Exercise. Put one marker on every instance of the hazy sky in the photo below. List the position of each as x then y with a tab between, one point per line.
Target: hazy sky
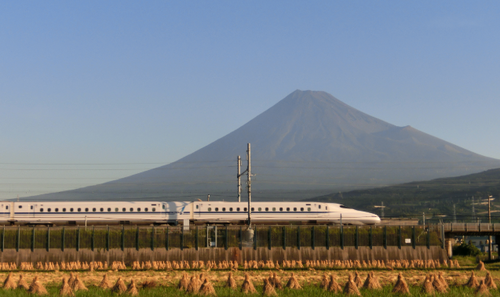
92	91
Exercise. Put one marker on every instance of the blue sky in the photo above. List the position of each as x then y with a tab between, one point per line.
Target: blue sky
92	91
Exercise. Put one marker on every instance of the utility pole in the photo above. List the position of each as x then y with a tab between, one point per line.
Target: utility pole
238	176
454	214
249	185
490	245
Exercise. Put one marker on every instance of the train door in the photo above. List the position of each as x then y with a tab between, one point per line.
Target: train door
164	210
33	208
197	210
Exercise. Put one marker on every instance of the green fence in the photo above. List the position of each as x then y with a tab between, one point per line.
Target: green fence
122	237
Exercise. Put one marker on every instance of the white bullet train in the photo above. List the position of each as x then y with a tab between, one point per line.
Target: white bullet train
182	212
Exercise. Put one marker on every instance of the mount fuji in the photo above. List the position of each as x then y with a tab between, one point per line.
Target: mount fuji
308	144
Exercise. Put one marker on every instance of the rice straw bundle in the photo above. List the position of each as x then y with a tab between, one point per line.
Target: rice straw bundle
105	283
194	285
247	286
231	282
293	283
66	289
480	266
350	287
472	282
357	280
183	283
401	287
483	290
333	286
37	287
268	289
489	282
324	282
372	282
207	288
132	289
438	285
277	281
71	279
442	281
78	285
119	286
9	283
22	284
427	286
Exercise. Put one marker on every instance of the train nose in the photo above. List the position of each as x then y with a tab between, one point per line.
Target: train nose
371	219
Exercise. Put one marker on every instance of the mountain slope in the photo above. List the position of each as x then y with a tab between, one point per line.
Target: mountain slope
433	197
307	144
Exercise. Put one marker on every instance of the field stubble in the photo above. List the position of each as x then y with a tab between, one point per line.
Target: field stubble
166	282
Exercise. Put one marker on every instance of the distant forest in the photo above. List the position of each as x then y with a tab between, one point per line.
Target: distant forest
460	199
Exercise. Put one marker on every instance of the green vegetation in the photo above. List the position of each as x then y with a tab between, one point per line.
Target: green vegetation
435	198
466	250
306	291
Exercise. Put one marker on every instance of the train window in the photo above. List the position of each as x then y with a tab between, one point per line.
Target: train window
319	206
252	208
295	209
281	208
71	209
48	210
326	207
154	208
197	206
223	209
267	209
245	209
308	209
216	209
102	209
209	209
301	209
41	209
274	208
131	209
288	209
163	206
94	209
138	209
64	209
57	209
124	209
79	209
116	209
86	209
230	209
109	209
146	209
20	206
7	207
237	209
31	207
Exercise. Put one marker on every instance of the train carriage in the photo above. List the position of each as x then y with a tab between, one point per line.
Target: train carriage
184	212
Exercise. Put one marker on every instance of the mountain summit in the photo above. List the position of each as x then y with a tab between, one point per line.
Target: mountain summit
309	143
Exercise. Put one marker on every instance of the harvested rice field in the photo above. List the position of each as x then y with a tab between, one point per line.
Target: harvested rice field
470	279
